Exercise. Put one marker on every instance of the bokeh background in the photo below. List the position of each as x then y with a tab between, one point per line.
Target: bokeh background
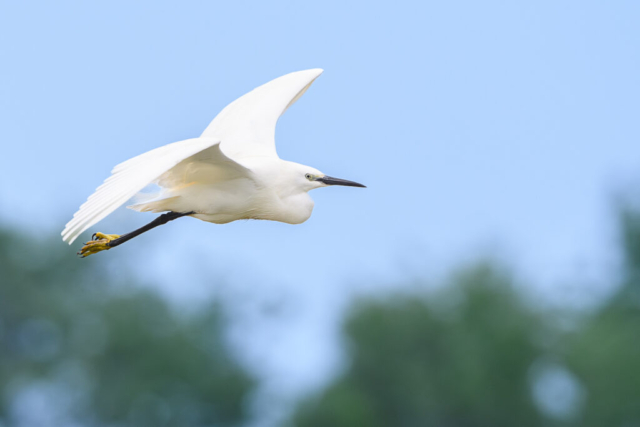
488	276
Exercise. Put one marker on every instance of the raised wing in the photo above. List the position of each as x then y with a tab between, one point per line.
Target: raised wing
133	175
247	126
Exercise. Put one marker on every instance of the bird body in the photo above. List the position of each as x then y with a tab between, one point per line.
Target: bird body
266	190
231	172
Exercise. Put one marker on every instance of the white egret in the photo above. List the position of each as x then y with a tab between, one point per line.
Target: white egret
231	172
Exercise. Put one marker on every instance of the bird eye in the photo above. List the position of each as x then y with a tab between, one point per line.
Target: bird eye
308	176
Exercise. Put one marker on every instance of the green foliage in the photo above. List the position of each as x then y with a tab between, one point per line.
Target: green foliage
606	352
414	365
631	245
123	358
471	356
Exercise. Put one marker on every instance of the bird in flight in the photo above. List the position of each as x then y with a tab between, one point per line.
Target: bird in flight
231	172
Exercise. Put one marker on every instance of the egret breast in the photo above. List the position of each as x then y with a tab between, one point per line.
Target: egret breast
297	209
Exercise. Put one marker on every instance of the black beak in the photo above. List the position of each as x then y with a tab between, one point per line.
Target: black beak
337	181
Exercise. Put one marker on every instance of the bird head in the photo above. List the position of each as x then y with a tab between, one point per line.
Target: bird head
310	178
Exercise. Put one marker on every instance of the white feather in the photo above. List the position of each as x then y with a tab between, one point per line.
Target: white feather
226	150
127	179
247	126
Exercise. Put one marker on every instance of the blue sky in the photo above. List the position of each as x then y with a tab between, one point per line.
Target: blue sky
492	128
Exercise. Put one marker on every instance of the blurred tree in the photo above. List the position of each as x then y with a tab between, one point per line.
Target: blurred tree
74	349
605	352
476	356
463	360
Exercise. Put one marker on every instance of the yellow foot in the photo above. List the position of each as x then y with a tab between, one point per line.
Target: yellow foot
99	242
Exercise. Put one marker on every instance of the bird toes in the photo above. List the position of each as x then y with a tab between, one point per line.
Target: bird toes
101	236
99	242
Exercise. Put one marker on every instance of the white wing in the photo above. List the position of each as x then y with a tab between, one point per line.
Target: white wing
247	126
133	175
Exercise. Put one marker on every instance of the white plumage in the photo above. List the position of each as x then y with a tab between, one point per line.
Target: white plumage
232	171
127	179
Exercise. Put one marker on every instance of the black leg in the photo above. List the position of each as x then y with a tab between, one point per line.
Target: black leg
162	219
